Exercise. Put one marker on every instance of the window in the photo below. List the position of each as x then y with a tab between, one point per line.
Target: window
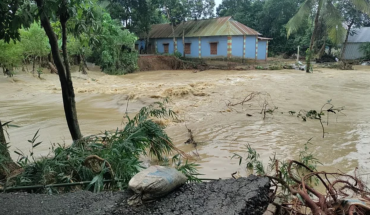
187	48
166	46
213	48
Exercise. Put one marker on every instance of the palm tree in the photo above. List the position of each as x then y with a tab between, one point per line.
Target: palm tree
333	20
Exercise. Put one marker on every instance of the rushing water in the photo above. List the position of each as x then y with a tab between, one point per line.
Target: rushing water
200	100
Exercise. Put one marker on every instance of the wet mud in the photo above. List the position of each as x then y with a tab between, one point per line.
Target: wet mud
243	196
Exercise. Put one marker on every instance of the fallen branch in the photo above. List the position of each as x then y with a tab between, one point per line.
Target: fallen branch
52	68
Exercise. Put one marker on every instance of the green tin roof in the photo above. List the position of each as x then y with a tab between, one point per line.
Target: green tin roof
223	26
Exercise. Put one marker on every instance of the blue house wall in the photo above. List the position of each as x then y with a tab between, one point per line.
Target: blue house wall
237	46
221	46
194	46
262	50
160	45
250	47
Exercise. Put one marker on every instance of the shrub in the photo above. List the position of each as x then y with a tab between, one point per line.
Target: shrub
114	156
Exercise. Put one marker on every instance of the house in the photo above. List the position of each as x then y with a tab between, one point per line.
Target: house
220	37
360	37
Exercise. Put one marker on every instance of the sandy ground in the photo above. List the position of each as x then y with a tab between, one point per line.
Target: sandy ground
201	99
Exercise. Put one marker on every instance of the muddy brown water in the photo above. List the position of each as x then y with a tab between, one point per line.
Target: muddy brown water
200	100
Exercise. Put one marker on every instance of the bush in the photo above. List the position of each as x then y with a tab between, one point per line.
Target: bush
115	53
112	156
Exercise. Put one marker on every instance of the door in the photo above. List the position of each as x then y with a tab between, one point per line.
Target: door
187	48
166	47
213	48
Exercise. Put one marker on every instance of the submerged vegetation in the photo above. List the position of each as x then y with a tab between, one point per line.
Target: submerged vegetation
297	184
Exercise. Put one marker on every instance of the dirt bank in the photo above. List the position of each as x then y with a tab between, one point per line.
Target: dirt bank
243	196
155	62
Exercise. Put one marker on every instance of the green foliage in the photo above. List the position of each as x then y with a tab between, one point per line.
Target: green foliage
34	41
328	18
115	52
279	168
252	162
269	18
307	158
260	68
10	54
177	54
119	154
247	12
79	46
13	18
309	54
188	169
365	48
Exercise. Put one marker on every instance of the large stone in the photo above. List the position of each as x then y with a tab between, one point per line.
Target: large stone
242	196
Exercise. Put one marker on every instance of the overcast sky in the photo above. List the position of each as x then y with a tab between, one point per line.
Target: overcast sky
217	3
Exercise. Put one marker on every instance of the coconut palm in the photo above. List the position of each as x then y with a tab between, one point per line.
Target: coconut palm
331	16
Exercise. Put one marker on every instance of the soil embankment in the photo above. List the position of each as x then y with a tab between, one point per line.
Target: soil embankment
154	62
242	196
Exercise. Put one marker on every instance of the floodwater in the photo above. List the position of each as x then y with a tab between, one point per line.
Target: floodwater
201	99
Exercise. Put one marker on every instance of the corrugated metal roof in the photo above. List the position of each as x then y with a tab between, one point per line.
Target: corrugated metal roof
264	38
223	26
362	35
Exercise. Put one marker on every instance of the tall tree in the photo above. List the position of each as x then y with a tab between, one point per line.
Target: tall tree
45	11
333	20
143	23
201	8
248	12
34	43
176	12
11	55
275	15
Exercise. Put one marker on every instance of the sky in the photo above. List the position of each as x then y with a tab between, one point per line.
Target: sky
217	3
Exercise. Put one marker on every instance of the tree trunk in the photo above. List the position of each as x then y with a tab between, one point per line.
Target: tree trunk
52	68
174	39
33	64
313	37
346	41
3	141
8	164
322	50
173	31
81	65
63	72
183	40
84	62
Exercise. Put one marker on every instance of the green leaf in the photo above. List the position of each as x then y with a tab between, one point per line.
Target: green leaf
18	153
34	146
